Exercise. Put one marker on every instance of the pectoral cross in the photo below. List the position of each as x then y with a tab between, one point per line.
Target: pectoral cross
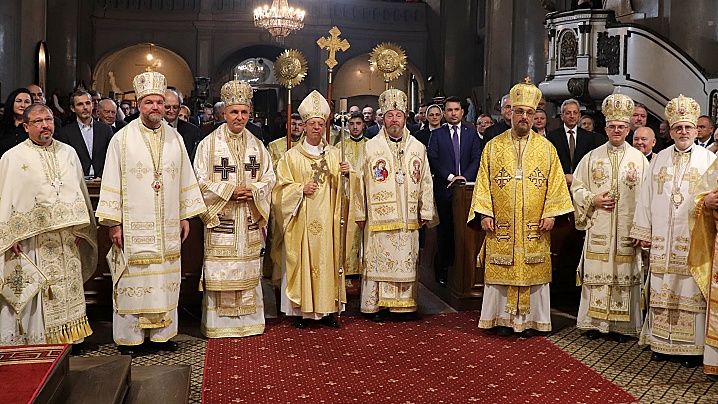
225	168
333	44
252	166
56	183
661	178
319	169
502	178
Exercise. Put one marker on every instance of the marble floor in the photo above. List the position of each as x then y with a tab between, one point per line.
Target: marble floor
626	365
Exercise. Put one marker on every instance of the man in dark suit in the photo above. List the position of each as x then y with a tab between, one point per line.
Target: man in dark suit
502	126
38	97
571	141
107	113
89	138
446	143
704	138
190	133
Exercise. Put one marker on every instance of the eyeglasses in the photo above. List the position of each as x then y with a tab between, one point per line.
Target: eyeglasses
172	107
683	128
39	122
616	128
526	112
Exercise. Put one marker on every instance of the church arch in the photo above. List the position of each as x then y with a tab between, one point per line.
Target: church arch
355	81
115	71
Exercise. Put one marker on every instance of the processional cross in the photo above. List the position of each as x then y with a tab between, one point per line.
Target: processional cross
333	44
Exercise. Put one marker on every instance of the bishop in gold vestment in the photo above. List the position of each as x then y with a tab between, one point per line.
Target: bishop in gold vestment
308	204
605	188
519	191
394	200
676	318
148	192
48	239
235	176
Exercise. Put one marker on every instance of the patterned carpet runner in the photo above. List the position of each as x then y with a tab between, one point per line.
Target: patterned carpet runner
442	358
24	370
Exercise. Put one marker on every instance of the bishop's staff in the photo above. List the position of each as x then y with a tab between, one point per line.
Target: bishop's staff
332	44
343	117
290	68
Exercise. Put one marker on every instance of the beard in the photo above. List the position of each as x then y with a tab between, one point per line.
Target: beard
154	117
522	129
394	131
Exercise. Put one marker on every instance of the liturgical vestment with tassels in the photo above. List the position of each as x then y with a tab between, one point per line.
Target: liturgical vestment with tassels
610	271
395	193
138	160
517	193
233	304
311	230
44	205
675	323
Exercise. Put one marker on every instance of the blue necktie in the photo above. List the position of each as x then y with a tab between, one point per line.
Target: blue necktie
457	157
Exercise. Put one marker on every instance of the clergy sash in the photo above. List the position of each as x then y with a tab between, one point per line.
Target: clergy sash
150	219
388	171
665	205
621	172
233	237
518	200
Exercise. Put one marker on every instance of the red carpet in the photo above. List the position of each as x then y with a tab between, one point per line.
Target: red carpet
23	370
442	358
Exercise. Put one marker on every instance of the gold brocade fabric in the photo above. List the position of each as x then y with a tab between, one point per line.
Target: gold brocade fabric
311	227
701	258
517	253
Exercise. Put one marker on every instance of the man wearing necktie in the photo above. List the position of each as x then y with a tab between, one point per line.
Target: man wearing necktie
454	152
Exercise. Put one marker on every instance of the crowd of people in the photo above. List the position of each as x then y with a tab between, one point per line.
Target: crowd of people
354	204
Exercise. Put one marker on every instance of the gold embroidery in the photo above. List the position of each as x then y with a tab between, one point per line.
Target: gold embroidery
142	225
139	171
315	227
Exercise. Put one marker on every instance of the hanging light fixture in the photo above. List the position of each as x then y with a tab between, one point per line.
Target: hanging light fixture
280	19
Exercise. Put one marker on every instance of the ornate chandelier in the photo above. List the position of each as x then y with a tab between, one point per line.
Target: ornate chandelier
280	19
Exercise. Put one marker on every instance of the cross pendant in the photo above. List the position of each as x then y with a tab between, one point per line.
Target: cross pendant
56	183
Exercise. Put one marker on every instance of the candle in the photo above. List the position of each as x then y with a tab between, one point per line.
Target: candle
343	105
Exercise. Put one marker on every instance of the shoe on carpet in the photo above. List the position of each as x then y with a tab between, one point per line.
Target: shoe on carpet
658	357
713	378
78	349
169	346
300	323
620	338
504	331
379	316
593	334
401	317
330	321
692	361
131	350
528	333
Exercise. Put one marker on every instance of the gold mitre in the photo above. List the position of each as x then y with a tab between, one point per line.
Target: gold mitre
393	99
525	95
314	106
147	83
682	109
618	107
236	92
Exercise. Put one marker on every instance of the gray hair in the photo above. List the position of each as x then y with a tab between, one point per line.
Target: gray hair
569	102
179	96
504	99
217	106
31	108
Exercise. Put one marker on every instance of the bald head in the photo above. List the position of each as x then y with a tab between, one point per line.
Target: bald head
644	139
107	111
172	105
38	97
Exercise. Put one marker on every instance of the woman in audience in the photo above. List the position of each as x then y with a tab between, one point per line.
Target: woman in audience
184	113
12	132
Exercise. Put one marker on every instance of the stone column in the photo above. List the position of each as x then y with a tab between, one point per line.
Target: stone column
462	70
62	46
529	42
9	31
498	55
